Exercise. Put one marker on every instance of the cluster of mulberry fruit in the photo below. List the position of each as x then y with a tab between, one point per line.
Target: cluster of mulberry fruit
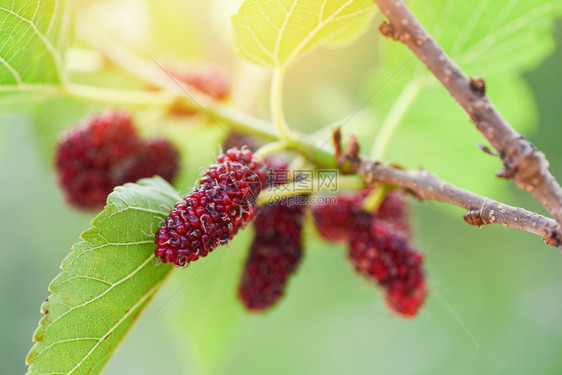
223	203
220	205
275	252
379	246
105	151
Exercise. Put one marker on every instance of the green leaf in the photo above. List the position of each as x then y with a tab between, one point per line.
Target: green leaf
274	33
496	40
501	35
437	135
106	282
33	34
491	36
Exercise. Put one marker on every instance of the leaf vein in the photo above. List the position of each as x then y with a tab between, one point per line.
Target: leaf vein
318	27
139	303
266	17
102	294
282	32
54	343
12	70
50	48
479	48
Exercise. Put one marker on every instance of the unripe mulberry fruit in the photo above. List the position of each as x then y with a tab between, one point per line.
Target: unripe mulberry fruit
276	250
105	151
383	253
214	211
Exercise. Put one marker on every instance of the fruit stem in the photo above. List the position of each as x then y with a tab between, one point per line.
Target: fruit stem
102	94
322	156
348	182
233	117
269	149
375	198
276	105
241	121
298	163
395	115
129	60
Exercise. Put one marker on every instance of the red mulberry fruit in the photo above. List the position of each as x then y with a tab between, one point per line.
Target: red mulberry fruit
394	209
275	252
159	157
334	221
214	211
104	152
207	78
380	251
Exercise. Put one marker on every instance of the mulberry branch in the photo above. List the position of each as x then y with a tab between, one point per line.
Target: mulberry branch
469	93
523	163
482	211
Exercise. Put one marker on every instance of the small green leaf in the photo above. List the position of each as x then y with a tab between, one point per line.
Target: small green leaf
32	36
106	282
274	33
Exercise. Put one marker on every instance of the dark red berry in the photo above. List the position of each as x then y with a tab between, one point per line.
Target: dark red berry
92	158
394	209
105	151
379	246
276	249
383	253
214	211
156	157
275	254
334	220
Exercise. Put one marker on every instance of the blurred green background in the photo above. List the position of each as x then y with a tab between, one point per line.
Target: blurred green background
495	293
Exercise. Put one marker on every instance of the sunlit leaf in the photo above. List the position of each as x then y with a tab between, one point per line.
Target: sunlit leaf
32	36
106	282
274	33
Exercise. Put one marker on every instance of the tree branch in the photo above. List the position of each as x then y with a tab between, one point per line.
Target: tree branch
526	166
422	184
482	211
